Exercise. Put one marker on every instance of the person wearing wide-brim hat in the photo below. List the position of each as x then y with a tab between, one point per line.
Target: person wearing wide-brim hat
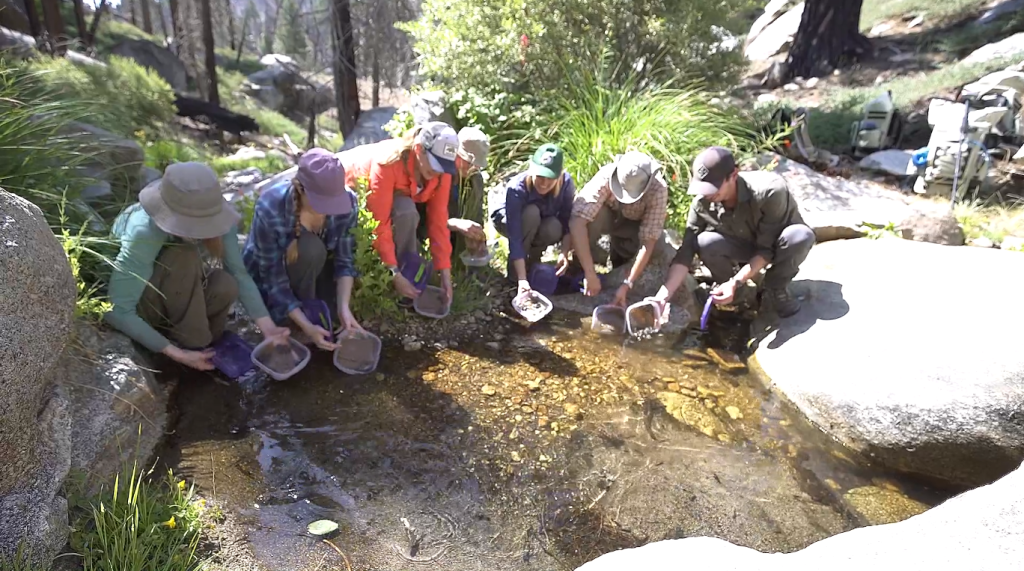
626	200
535	213
163	294
301	248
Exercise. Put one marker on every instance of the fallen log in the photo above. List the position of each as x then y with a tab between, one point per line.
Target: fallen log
216	115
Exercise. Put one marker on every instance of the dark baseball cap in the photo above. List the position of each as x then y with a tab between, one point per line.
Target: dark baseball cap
710	169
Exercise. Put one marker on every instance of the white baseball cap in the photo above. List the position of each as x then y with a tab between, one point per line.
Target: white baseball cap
442	145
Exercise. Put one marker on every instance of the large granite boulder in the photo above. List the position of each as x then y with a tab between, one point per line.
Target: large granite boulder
776	36
16	45
119	411
908	368
282	87
979	530
369	128
837	208
37	302
431	106
157	58
111	159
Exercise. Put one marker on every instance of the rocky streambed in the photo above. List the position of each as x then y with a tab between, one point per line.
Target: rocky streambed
520	448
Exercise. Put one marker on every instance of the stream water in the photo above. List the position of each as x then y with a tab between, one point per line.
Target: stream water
542	453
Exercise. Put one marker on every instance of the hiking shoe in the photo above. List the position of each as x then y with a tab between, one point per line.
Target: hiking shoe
784	304
405	302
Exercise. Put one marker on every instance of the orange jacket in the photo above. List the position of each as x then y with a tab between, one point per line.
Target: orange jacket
384	182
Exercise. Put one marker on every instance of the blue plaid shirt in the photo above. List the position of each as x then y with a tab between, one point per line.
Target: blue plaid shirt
273	230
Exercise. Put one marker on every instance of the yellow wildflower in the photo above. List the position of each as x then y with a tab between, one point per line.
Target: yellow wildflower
171	524
181	485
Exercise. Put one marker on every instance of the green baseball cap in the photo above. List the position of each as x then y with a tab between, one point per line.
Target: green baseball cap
547	161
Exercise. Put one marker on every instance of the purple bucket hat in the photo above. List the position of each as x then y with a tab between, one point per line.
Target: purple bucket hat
322	176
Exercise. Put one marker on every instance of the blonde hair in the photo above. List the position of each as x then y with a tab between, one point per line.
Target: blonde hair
558	183
401	147
298	195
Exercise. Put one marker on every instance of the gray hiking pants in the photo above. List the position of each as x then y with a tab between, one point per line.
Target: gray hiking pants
720	254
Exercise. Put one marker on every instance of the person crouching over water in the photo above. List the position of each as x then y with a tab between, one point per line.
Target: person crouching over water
536	212
160	284
301	247
401	173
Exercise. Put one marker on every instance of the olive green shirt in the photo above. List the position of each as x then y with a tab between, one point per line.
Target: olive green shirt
764	209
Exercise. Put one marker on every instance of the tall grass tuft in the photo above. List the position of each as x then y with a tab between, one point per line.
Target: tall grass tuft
594	120
139	524
20	560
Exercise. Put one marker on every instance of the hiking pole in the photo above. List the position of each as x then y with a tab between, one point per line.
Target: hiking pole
960	153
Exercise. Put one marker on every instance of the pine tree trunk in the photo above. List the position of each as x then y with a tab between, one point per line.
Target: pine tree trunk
375	73
130	5
345	87
163	20
52	19
91	38
211	55
241	40
828	38
83	30
35	25
231	24
147	17
175	18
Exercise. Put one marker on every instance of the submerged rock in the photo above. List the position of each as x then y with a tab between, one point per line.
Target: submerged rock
980	530
881	505
878	358
118	409
37	300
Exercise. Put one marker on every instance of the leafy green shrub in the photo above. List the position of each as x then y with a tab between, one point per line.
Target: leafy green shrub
496	46
123	96
400	124
113	31
594	120
374	295
138	524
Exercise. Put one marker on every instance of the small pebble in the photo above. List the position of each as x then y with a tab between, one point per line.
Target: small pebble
488	390
734	412
494	346
413	346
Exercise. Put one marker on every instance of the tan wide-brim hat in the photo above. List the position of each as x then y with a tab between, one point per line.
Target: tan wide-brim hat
633	176
187	203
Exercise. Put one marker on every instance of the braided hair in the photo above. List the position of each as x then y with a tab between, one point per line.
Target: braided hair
298	193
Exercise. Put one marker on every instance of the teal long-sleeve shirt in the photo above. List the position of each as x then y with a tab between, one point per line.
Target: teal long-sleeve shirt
141	243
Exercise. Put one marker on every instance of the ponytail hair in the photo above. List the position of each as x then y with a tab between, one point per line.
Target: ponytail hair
298	193
215	247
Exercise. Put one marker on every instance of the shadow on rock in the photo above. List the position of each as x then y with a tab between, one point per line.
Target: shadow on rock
821	301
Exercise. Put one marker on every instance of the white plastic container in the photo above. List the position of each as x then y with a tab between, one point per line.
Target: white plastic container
641	316
263	350
424	303
608	319
343	357
532	315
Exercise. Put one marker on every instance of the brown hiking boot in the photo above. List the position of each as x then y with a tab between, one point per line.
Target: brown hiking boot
785	305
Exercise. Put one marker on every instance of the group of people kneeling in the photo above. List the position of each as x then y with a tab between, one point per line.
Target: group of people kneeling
173	299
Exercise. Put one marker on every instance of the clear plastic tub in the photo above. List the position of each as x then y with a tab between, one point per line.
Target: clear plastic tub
532	306
358	352
608	319
281	362
476	259
431	303
643	316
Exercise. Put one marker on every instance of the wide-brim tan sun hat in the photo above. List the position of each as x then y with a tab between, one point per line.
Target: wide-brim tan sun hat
633	176
186	202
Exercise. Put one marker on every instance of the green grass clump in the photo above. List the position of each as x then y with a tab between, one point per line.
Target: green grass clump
164	152
140	523
122	97
877	11
830	123
112	32
990	220
21	560
593	121
246	65
270	164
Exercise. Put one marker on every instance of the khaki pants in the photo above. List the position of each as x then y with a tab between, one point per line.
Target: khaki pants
404	220
311	276
194	306
538	233
624	234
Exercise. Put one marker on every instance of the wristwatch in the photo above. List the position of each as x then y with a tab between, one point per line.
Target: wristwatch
393	270
628	283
